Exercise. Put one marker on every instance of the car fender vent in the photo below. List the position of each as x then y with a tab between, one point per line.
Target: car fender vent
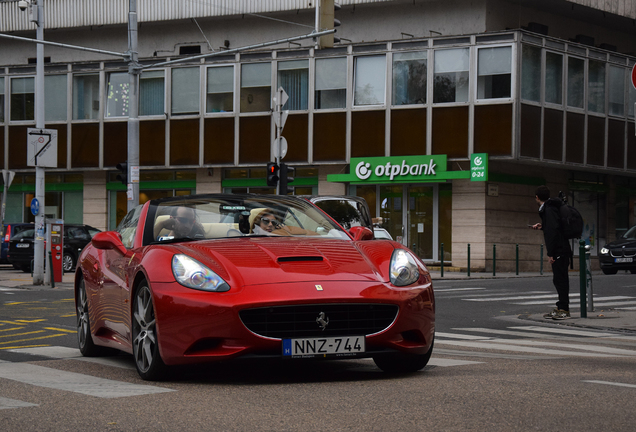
299	259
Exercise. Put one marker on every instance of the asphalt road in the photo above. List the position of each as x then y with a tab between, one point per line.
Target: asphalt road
491	370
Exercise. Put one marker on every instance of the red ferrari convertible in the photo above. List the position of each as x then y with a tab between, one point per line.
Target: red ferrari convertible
214	277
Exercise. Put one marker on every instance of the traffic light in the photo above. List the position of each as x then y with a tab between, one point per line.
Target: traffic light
272	174
328	21
123	172
286	176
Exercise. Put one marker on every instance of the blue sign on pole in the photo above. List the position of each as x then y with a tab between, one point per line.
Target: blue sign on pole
35	206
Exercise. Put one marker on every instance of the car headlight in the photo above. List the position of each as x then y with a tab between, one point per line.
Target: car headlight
192	274
403	269
604	251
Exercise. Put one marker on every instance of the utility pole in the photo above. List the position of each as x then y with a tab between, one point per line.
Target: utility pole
134	69
38	246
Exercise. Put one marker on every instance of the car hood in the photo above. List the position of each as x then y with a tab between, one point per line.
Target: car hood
620	243
267	260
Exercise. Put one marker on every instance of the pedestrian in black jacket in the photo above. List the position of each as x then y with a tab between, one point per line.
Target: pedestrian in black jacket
558	249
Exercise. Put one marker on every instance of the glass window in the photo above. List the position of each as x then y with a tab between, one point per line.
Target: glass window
531	73
85	97
117	96
553	78
152	93
1	99
331	83
494	73
256	87
576	80
293	76
596	87
616	90
55	98
370	79
450	83
22	99
185	90
409	78
220	93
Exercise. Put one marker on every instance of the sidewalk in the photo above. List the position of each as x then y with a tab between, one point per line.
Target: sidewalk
601	319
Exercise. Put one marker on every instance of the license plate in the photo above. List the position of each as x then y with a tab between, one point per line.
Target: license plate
22	245
623	260
328	346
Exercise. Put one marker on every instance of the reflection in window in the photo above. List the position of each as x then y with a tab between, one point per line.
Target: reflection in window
1	99
370	78
616	90
220	93
632	101
494	73
451	75
331	83
596	87
256	87
530	73
85	97
152	93
293	76
576	87
553	78
117	96
185	90
22	99
55	98
409	78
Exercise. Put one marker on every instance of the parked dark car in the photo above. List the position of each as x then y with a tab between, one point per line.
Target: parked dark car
8	231
619	254
75	238
348	211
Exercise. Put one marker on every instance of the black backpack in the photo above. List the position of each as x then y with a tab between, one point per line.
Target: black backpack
571	220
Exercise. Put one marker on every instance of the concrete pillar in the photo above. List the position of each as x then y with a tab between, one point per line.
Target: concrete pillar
469	224
330	188
96	199
209	180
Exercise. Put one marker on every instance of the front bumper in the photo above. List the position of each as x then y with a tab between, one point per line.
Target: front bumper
196	326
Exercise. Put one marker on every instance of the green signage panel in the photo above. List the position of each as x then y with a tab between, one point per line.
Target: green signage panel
407	169
479	167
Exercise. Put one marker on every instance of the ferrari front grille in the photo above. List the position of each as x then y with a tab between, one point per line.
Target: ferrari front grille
282	322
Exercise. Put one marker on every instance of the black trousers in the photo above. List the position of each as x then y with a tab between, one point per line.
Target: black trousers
562	282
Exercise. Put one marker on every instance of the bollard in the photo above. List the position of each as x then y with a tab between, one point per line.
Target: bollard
517	258
588	278
583	278
494	259
442	261
468	259
541	262
51	272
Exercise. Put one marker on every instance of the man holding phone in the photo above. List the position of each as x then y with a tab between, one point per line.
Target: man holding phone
558	249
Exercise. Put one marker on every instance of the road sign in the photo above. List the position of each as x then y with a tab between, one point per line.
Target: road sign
281	146
281	97
35	206
42	147
280	117
7	177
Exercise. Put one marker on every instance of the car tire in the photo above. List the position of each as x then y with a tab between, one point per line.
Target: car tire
401	362
85	341
68	263
146	353
609	271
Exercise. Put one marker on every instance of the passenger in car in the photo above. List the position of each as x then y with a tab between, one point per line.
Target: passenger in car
181	223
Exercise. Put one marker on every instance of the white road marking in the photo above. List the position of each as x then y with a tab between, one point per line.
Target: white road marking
503	332
610	383
575	300
74	382
510	298
595	348
457	289
493	345
58	352
450	362
563	331
460	336
6	403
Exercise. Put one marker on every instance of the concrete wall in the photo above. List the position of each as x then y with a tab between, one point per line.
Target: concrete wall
96	199
209	180
329	188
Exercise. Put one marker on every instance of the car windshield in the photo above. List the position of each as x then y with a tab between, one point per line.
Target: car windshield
214	217
630	234
25	234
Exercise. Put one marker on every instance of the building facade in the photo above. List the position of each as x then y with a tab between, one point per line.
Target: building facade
542	89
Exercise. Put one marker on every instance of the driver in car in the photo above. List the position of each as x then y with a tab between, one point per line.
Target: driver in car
182	223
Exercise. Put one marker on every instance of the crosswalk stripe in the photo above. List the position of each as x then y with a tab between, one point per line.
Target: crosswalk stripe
74	382
451	362
565	331
503	332
459	336
509	293
59	352
457	289
6	403
537	298
595	348
610	383
493	345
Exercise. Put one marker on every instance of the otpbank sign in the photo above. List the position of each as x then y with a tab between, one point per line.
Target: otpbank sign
410	169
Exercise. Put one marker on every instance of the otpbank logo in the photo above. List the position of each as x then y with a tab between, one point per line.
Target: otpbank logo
383	169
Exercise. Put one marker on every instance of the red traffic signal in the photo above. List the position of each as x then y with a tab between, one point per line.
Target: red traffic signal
272	174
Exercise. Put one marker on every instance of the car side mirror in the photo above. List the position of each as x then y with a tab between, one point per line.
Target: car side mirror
109	240
361	233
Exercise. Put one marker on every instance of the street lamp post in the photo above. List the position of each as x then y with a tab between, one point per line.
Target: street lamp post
38	247
134	70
